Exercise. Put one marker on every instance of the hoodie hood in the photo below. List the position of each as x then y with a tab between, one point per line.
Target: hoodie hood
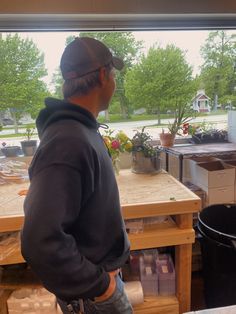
56	110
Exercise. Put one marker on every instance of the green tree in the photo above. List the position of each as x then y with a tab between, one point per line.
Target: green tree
57	81
21	70
161	81
218	70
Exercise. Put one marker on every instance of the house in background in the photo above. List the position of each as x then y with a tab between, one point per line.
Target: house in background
201	102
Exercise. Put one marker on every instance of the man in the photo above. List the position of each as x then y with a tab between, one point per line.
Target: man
73	235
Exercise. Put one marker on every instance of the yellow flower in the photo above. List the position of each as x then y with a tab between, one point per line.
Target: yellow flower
128	146
107	141
122	136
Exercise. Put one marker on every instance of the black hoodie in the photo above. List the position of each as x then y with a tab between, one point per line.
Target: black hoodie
73	232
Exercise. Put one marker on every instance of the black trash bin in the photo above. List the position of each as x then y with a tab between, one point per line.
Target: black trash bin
217	227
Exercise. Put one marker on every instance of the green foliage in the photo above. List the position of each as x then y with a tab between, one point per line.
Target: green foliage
183	114
162	80
21	70
218	71
114	107
57	81
29	133
122	44
141	143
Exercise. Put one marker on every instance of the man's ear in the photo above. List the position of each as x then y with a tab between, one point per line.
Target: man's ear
103	76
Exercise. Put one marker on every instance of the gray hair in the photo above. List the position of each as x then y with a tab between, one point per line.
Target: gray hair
83	85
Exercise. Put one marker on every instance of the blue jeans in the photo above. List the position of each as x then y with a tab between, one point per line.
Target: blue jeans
118	303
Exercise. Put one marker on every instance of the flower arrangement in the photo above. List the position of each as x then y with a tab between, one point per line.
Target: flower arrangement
116	144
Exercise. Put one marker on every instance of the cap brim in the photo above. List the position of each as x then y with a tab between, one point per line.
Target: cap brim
118	63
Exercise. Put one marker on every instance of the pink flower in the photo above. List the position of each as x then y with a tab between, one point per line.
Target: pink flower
115	144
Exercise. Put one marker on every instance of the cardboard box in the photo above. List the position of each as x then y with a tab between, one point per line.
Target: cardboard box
225	157
233	164
215	174
192	163
220	195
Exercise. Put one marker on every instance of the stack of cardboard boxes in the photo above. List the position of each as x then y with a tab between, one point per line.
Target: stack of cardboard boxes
216	177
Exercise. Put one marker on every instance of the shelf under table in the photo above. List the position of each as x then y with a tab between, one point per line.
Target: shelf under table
159	304
160	235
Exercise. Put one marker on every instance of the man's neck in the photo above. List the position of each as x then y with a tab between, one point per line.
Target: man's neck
89	102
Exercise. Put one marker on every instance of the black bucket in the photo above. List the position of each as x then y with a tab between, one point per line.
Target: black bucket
217	226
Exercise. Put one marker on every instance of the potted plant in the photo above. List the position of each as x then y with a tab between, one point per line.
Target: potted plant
145	157
10	150
205	133
29	146
182	115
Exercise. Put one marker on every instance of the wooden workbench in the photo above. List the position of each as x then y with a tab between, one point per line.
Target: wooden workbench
141	196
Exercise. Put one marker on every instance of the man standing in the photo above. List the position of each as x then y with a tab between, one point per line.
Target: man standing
73	235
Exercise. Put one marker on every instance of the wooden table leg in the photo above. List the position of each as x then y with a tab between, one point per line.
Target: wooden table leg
4	295
183	267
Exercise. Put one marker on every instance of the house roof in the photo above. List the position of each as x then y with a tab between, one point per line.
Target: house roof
201	97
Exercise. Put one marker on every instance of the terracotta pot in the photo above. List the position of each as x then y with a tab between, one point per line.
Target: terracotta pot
167	139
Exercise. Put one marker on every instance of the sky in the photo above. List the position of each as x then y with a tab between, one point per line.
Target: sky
53	44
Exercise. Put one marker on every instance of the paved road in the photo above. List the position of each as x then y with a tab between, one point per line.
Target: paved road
220	121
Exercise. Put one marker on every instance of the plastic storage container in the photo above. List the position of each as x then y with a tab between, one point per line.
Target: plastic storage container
148	276
25	301
166	275
134	264
134	225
